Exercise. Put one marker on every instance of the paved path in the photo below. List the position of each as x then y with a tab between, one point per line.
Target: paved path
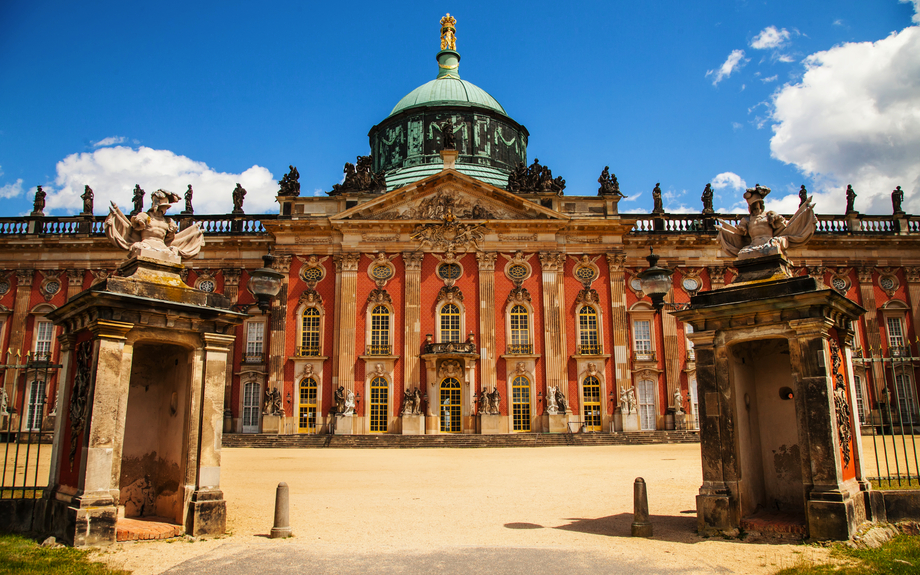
529	510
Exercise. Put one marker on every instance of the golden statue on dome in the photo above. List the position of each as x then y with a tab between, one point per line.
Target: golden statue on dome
448	33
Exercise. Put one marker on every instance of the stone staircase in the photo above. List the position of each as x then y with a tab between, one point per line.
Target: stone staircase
390	441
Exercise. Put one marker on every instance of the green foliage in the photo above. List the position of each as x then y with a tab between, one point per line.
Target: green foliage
894	484
21	555
900	556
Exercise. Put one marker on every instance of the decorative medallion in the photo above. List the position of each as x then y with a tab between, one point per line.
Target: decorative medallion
50	288
312	271
586	270
841	283
206	285
518	267
449	271
378	296
381	269
587	296
4	286
636	286
450	293
691	282
889	283
518	272
518	295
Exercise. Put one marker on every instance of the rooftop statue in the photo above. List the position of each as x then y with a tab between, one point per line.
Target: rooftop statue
360	178
534	179
38	206
609	184
448	33
87	198
706	198
138	200
851	197
239	193
153	230
766	233
658	207
290	183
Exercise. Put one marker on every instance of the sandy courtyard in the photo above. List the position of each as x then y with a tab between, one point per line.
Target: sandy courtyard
369	504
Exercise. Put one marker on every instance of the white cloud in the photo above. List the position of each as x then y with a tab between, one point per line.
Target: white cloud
110	141
854	118
728	180
734	62
785	58
737	126
770	38
772	78
113	172
11	190
916	4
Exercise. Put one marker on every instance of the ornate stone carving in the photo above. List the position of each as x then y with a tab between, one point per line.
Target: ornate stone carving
616	262
552	261
231	277
379	239
290	183
518	295
311	298
153	232
378	296
552	408
628	400
51	284
38	205
486	261
817	272
450	368
841	405
716	276
347	262
412	401
360	178
79	396
75	278
449	236
609	184
490	402
587	296
413	260
864	274
273	402
534	179
912	274
282	263
765	233
100	275
449	294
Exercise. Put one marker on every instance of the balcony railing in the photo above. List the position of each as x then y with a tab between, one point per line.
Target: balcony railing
589	349
644	356
227	224
827	224
253	357
308	351
519	349
379	349
451	347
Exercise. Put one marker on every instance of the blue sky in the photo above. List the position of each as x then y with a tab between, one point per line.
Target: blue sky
821	93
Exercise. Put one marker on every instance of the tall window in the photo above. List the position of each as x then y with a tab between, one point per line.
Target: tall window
44	334
589	344
694	402
691	353
379	400
520	403
306	411
309	338
380	331
907	405
646	397
450	323
255	334
36	407
592	404
642	338
860	399
450	406
520	330
251	407
895	332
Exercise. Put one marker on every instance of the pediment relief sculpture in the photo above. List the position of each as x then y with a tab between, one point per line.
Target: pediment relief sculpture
444	201
450	294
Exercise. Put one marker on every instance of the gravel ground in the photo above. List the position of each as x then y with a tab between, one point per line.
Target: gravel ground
461	510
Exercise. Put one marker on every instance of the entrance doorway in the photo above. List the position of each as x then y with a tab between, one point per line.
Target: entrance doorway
450	405
520	403
155	450
591	387
306	421
251	407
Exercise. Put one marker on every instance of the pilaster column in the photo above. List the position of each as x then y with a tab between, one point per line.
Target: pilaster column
552	265
488	356
873	335
346	267
716	277
913	292
74	282
619	319
671	352
412	318
217	354
18	325
276	356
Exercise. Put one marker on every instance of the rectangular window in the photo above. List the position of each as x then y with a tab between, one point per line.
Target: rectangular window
255	335
646	396
694	402
860	401
642	338
895	332
691	354
44	334
907	405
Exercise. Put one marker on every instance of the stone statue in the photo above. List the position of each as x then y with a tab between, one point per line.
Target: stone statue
706	198
561	403
656	197
534	179
552	408
339	400
38	206
803	195
678	402
273	404
760	234
609	184
87	198
290	183
495	399
152	231
188	201
851	197
412	402
448	141
360	178
239	193
897	196
448	33
628	400
349	403
138	200
4	402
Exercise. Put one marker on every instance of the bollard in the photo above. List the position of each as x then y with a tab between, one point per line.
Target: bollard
282	526
641	526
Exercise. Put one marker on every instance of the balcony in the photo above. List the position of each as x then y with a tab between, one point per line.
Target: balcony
519	349
589	349
308	351
253	357
378	349
451	347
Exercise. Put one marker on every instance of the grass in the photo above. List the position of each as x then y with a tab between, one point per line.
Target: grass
899	556
22	493
21	555
894	484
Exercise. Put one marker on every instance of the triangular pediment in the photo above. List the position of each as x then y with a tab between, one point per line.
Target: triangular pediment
449	193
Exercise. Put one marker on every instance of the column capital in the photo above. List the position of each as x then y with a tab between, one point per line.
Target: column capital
912	274
347	262
282	263
864	274
75	277
616	262
486	261
413	260
552	261
107	329
24	277
217	341
232	277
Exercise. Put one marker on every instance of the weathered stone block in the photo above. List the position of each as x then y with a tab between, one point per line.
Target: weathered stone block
207	513
490	424
555	423
630	422
413	424
344	425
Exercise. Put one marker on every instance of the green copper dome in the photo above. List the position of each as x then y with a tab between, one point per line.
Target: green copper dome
448	89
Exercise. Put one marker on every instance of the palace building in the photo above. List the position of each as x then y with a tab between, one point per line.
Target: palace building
447	263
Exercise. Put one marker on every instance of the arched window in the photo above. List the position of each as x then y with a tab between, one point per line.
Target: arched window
520	403
379	402
309	333
589	342
592	403
306	421
450	323
519	341
450	405
380	331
